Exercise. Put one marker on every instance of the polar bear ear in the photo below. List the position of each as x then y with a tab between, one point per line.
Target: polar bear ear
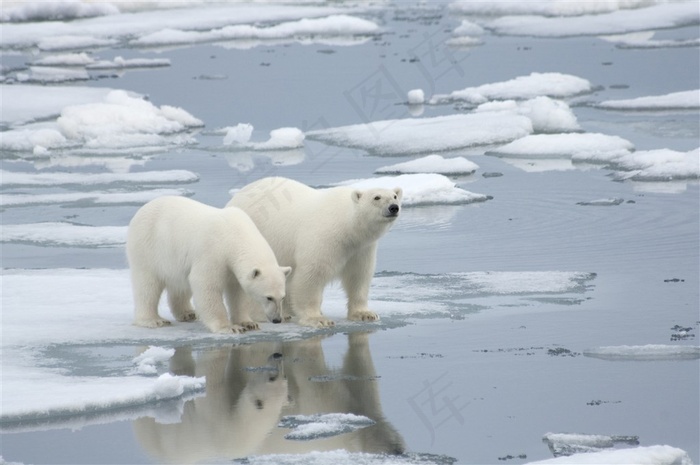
399	192
256	272
287	270
356	196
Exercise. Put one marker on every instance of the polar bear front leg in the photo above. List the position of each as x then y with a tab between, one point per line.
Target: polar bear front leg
180	304
356	277
306	295
209	305
239	306
147	290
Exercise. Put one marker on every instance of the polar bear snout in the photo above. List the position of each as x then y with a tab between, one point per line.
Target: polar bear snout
392	211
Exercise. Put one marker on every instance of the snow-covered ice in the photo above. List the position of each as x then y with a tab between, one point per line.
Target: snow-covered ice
573	443
88	199
565	145
147	361
649	352
424	135
63	234
547	115
416	97
651	455
344	457
52	75
431	164
23	11
551	8
555	85
646	40
647	165
238	137
308	427
44	179
685	100
420	189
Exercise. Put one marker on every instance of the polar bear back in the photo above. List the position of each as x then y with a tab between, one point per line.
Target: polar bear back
171	234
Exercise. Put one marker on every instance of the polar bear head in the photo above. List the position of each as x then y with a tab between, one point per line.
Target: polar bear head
267	287
383	204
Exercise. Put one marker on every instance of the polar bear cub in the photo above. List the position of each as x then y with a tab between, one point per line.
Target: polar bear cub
324	234
194	250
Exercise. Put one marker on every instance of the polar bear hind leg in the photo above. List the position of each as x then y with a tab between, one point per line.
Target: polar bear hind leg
180	304
147	291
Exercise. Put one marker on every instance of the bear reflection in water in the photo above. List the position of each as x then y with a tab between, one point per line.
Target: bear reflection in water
250	388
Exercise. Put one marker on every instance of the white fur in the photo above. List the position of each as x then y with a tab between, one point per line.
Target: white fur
324	234
194	250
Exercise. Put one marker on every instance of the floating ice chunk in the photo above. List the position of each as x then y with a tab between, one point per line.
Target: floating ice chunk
565	145
63	234
668	15
649	165
551	8
25	103
30	139
652	455
645	39
239	134
416	97
334	25
147	362
546	114
463	41
122	63
68	59
569	444
309	427
523	87
686	100
420	189
431	164
425	135
16	179
648	352
73	42
52	75
602	202
88	199
468	28
280	139
54	10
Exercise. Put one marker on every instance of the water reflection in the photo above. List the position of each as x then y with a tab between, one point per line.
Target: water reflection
250	388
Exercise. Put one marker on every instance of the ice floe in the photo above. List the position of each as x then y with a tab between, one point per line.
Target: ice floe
63	234
52	75
649	352
22	11
425	135
308	427
686	100
44	179
334	25
88	199
565	145
432	164
647	165
565	444
547	115
667	15
95	307
147	362
344	457
551	8
420	189
555	85
238	137
651	455
646	39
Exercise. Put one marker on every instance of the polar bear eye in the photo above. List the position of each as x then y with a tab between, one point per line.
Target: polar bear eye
377	197
270	299
394	197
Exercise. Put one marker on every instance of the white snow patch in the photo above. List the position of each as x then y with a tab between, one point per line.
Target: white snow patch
425	135
21	179
686	100
431	164
420	189
147	362
565	145
652	455
547	115
334	25
280	139
88	198
556	85
416	97
64	234
648	352
667	15
309	427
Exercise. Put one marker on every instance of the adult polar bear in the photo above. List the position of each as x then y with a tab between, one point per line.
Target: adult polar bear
323	234
194	250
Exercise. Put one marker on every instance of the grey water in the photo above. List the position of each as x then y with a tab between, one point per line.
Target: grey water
482	387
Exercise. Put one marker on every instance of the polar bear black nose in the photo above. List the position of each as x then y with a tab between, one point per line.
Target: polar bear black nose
393	209
277	320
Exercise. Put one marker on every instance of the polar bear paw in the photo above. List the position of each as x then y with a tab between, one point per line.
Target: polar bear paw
316	322
363	315
249	325
231	329
153	323
187	317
